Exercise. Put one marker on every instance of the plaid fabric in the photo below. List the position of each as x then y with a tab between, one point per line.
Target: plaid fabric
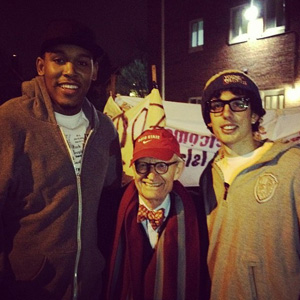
155	218
171	271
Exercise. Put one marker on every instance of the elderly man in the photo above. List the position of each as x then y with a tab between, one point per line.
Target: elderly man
156	248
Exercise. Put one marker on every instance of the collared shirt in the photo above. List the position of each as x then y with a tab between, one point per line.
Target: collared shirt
151	233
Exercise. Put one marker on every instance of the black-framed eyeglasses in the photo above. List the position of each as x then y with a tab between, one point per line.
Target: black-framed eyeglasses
236	105
160	167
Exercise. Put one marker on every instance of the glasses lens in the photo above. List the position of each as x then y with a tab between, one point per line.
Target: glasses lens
216	106
141	167
161	167
238	105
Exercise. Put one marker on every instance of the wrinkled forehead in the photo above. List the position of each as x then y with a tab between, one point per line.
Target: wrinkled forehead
150	159
238	92
70	50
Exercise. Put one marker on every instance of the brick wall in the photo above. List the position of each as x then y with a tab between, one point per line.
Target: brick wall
272	62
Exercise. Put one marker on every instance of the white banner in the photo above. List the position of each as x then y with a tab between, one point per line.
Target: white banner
197	144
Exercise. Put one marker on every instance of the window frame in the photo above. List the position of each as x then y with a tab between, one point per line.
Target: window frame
273	99
241	37
198	47
276	29
264	13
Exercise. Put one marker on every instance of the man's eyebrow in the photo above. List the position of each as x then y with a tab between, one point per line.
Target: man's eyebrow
56	51
85	55
81	55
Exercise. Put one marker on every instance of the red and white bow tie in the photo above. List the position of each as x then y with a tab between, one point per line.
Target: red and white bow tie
155	218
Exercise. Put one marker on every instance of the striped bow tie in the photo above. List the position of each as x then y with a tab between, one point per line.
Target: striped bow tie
155	218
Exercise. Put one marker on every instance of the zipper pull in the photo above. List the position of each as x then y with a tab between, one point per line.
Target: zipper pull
226	185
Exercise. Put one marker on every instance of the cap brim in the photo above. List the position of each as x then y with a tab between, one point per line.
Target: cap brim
154	153
96	50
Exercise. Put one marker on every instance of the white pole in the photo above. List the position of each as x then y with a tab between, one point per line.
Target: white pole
163	49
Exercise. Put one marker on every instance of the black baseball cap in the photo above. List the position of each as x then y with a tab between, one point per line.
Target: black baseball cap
70	32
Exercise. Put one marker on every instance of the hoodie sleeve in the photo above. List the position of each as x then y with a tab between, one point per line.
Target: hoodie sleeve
114	174
8	152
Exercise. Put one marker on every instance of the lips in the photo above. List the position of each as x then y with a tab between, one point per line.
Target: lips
152	184
69	86
229	128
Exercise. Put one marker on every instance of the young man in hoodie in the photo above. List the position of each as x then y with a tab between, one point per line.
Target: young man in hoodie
57	155
251	193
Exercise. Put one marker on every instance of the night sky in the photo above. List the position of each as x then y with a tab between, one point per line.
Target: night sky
120	27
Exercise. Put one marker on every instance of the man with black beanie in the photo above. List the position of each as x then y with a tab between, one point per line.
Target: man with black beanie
251	194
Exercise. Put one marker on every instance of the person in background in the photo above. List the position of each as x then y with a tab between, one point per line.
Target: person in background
156	248
58	155
251	193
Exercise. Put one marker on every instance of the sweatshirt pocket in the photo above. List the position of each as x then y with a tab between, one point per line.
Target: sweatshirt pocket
257	282
32	268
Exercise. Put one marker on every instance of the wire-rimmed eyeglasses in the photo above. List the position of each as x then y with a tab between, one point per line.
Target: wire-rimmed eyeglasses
160	167
236	105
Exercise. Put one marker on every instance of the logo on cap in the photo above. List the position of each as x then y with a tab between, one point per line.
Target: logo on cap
147	138
229	79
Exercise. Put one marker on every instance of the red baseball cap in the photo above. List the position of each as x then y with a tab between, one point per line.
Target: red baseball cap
158	143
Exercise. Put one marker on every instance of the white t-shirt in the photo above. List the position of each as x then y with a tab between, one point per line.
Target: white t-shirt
74	129
231	166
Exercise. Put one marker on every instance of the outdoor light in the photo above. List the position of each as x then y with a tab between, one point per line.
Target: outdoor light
251	13
293	93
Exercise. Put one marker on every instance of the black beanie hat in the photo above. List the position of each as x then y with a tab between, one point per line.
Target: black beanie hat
70	32
230	79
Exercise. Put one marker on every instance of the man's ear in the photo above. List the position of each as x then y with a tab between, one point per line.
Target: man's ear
179	169
254	118
40	66
95	71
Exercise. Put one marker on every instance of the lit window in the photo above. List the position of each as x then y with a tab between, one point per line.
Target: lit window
273	99
274	17
196	34
238	25
270	21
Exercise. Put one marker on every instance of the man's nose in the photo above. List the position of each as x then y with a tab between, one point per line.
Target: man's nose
227	110
69	69
151	172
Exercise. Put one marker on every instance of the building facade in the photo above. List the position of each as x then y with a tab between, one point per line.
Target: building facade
191	40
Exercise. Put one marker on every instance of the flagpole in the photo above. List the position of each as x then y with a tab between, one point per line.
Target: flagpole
163	49
154	78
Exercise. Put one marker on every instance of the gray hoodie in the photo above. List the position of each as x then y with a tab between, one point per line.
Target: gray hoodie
48	215
254	235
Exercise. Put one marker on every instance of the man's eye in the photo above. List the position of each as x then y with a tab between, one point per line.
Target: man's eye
161	165
83	63
59	61
216	104
141	165
239	104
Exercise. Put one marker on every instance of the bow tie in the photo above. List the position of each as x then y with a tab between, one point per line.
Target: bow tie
155	217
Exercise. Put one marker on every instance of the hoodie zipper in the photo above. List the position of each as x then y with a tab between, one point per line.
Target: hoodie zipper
79	223
226	185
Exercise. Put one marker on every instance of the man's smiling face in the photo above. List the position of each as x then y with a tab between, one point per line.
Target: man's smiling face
154	187
68	71
233	129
